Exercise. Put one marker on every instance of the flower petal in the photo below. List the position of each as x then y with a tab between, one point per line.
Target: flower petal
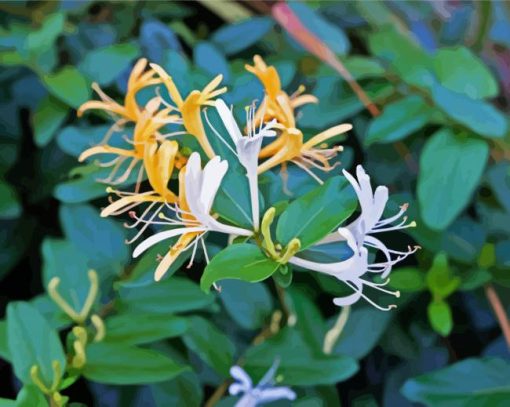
158	237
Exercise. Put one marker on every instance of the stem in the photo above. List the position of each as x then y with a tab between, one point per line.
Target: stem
289	316
499	311
334	333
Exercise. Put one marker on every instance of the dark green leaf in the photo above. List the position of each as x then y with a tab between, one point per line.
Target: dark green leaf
240	262
10	206
135	329
439	278
48	118
317	213
408	279
248	304
471	382
299	364
450	168
123	364
210	344
167	296
399	120
30	396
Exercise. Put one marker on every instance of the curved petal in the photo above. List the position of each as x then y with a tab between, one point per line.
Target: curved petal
105	150
127	200
276	393
158	237
213	174
228	121
326	135
352	298
239	374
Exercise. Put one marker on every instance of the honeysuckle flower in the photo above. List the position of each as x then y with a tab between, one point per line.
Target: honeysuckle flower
263	392
159	163
247	149
290	145
191	106
350	272
268	76
369	222
197	190
147	126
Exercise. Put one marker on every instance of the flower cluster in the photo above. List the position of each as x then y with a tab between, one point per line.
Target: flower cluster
180	193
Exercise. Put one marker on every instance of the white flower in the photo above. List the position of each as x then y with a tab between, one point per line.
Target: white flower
201	187
247	148
264	392
369	222
350	272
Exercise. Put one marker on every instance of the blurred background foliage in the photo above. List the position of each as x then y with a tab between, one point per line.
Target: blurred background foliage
439	74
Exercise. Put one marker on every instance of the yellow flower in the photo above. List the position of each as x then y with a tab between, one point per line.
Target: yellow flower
138	79
290	144
148	121
190	107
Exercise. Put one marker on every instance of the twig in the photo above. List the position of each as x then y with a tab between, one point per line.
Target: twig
499	311
290	22
331	337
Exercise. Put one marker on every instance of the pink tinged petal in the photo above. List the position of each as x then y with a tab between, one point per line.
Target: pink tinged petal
242	377
276	393
228	121
158	237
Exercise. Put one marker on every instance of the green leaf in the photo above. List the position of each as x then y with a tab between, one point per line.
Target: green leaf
183	391
83	186
167	296
7	403
363	330
69	86
49	116
474	278
315	214
4	346
404	54
331	34
136	328
123	364
300	365
399	120
362	67
471	382
211	344
439	278
478	115
41	40
10	206
25	329
211	60
408	279
460	70
241	262
104	65
450	169
30	396
440	317
64	260
248	304
102	240
233	38
73	140
310	321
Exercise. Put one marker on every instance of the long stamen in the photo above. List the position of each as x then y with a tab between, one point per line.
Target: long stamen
218	134
145	226
383	222
308	171
367	299
401	225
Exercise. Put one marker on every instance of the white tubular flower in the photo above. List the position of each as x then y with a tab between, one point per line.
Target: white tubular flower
369	222
247	148
263	393
350	272
193	216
